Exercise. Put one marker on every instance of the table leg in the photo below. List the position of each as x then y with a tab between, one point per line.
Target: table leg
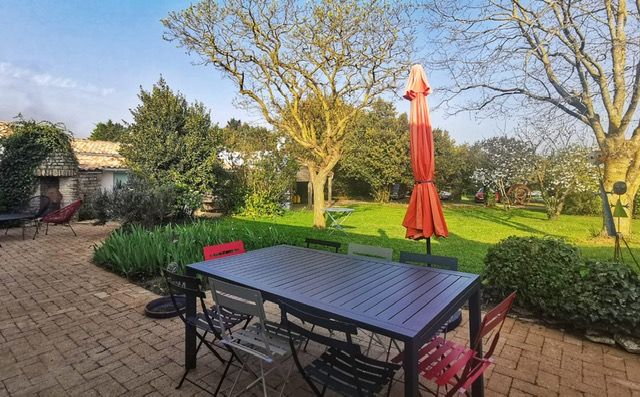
410	363
190	331
474	329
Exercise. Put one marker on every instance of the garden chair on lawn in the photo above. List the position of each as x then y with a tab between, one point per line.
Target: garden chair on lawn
263	340
61	217
342	367
206	321
450	364
323	243
221	250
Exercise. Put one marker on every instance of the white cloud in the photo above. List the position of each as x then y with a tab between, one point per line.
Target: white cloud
11	71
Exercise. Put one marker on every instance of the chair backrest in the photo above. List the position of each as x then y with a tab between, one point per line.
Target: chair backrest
183	285
324	243
439	262
221	250
313	322
36	206
63	215
242	300
492	324
370	251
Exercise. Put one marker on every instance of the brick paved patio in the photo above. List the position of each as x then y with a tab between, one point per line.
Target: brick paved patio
68	327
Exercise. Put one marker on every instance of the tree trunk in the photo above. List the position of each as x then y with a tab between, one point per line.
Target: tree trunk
382	194
318	181
616	169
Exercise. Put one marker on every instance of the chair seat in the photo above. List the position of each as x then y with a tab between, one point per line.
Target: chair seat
252	337
231	319
336	368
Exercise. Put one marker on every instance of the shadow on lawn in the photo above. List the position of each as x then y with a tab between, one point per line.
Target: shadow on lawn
469	253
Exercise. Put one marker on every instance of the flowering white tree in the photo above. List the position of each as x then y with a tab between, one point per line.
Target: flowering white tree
563	172
506	161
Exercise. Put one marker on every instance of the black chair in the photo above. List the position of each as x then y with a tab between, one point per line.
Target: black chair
323	243
30	211
438	262
205	321
342	367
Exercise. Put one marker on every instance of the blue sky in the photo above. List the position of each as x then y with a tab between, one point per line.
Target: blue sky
82	62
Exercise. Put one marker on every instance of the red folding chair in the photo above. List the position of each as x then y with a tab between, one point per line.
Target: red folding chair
449	364
61	217
221	250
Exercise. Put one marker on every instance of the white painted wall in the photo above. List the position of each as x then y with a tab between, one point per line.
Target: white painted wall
106	182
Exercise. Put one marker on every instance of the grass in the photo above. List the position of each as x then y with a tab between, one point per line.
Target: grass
472	230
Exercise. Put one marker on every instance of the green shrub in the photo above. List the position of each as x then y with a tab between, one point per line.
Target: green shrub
554	283
137	252
260	204
584	203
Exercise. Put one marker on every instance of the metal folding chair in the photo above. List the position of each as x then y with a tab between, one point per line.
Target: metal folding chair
451	365
206	321
323	243
342	367
262	340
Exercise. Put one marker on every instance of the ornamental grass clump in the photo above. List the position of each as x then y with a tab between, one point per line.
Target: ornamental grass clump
554	283
138	253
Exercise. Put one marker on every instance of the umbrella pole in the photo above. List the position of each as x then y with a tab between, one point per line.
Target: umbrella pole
428	245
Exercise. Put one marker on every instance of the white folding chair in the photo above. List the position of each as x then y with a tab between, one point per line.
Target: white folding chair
263	339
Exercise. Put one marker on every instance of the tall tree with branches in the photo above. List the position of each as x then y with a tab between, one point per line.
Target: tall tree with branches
579	58
285	56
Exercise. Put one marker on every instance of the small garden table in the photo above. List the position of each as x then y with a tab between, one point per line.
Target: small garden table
14	217
404	302
336	216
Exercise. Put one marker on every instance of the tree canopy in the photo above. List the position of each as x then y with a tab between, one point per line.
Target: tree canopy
109	131
284	56
172	140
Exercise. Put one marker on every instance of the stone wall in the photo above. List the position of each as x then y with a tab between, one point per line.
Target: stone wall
69	190
89	182
58	165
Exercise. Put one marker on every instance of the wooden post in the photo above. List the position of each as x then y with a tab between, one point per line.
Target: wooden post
330	186
309	195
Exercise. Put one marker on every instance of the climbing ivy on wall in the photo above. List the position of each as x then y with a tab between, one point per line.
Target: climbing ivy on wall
22	151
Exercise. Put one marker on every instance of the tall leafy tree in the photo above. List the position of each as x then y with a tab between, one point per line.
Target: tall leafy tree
109	131
172	140
377	150
579	59
454	163
284	56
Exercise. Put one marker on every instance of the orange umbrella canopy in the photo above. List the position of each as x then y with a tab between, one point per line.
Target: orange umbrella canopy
424	217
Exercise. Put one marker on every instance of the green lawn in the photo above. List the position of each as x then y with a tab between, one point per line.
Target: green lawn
472	229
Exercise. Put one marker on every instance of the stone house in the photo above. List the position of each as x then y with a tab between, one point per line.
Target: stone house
64	179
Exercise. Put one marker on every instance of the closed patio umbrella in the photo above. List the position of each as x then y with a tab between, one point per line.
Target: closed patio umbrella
424	217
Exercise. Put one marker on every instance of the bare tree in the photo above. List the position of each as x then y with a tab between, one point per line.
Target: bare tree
285	56
581	58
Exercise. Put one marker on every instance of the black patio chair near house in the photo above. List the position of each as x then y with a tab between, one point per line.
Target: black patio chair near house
27	214
322	243
342	367
205	321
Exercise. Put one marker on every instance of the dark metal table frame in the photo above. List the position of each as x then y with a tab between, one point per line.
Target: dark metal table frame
415	301
14	217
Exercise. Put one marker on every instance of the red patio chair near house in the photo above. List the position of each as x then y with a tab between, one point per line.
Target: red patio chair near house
61	217
450	364
221	250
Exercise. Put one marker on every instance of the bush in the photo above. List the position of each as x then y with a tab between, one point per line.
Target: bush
260	204
554	283
585	203
140	253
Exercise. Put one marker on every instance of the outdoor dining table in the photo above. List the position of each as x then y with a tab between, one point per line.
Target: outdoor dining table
404	302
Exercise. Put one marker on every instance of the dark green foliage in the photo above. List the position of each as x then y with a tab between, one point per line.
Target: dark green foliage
582	203
140	253
262	169
109	131
22	152
377	150
173	141
554	283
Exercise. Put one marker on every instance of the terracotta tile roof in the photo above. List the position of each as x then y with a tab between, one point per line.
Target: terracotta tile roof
93	155
5	128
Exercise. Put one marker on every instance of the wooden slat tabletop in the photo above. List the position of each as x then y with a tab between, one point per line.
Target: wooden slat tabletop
395	299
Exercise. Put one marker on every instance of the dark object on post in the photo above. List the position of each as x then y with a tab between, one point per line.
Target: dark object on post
61	217
164	307
331	244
